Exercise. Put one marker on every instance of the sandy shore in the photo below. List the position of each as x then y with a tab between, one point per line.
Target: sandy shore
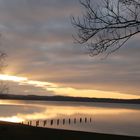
13	131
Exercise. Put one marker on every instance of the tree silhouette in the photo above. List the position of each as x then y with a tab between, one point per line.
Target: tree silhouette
3	85
106	27
2	59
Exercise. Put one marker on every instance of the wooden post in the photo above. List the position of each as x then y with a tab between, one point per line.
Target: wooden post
57	121
37	123
44	122
80	120
69	121
51	122
63	121
85	120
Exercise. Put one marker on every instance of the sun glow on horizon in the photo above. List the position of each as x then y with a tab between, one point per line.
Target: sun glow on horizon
12	78
67	91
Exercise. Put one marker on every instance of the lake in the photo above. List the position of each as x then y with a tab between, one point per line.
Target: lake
111	118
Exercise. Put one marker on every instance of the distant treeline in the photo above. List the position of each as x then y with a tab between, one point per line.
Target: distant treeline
65	98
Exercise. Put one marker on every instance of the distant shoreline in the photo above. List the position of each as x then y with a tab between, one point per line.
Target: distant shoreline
16	131
65	98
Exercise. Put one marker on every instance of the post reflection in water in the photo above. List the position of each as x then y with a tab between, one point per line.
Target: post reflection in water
91	117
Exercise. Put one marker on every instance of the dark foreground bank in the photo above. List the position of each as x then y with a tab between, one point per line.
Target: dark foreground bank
12	131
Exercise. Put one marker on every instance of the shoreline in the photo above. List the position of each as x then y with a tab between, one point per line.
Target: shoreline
67	99
17	131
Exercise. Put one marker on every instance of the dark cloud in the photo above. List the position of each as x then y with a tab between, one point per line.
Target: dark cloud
27	89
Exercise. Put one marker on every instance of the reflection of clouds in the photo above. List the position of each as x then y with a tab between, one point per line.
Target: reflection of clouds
52	112
10	102
55	111
20	103
11	119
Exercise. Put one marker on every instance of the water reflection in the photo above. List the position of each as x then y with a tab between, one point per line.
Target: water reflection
92	117
35	111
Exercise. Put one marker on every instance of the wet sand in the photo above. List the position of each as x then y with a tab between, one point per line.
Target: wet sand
14	131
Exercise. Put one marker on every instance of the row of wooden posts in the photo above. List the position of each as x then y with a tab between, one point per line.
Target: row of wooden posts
52	122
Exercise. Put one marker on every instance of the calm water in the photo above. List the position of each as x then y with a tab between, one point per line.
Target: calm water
105	117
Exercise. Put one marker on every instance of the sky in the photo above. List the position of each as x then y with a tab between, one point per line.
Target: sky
42	58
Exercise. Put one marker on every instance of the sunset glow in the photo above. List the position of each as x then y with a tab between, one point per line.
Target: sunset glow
71	65
12	78
67	91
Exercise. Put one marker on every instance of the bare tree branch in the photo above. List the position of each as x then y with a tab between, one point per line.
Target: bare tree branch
107	27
